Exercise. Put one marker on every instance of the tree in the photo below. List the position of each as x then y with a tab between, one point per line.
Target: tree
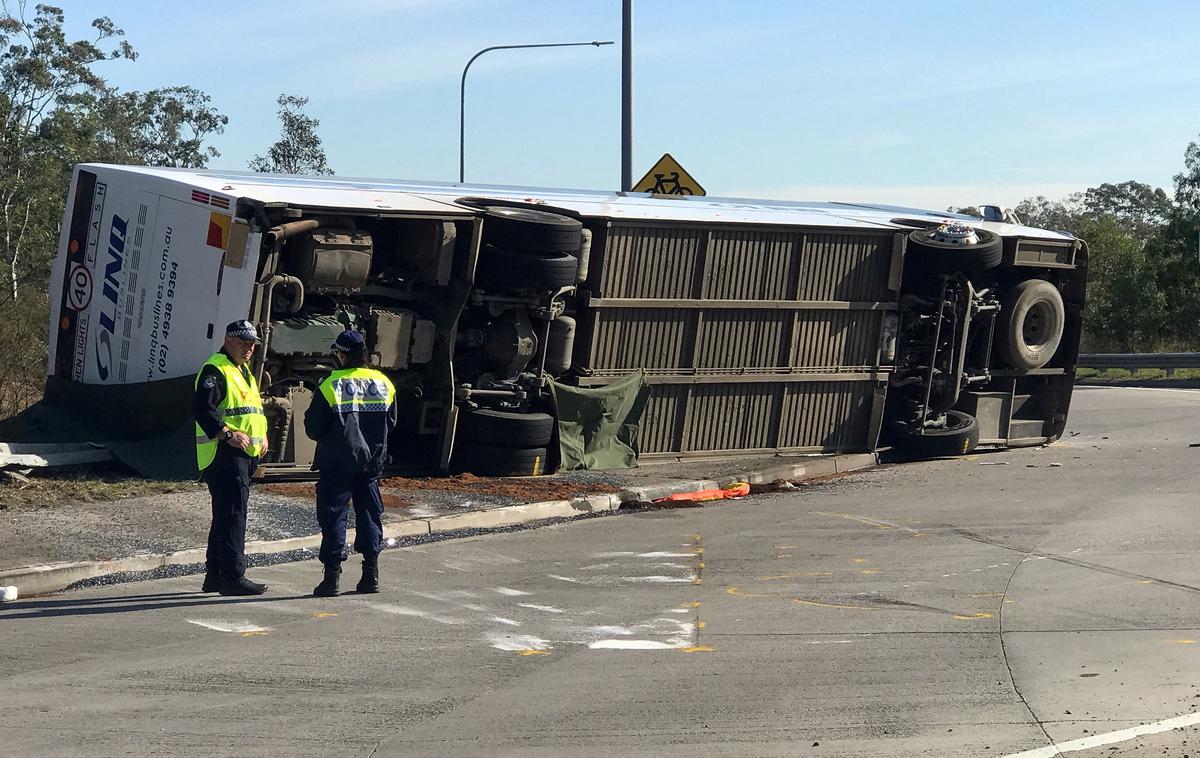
1140	209
299	149
56	110
39	69
1125	309
1187	182
1055	215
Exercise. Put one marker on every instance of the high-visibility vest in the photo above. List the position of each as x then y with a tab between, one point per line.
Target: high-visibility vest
241	411
361	389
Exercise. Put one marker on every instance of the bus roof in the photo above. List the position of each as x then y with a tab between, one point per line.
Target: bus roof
441	197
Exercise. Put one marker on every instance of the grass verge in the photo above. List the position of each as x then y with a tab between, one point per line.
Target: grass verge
53	488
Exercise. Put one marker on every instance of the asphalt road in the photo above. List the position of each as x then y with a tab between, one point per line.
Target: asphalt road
991	605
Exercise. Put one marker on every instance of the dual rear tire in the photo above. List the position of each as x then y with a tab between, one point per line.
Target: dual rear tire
502	443
529	249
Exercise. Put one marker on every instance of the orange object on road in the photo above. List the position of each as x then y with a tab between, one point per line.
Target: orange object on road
741	489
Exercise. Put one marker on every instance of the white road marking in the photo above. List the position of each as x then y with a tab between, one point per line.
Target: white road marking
516	642
543	608
1109	738
678	634
452	598
236	627
402	610
658	579
632	645
510	592
827	642
565	579
656	554
507	622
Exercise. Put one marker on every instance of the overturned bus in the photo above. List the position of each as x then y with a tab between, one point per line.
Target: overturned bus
759	326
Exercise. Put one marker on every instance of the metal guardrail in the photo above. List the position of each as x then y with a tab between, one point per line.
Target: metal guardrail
1135	361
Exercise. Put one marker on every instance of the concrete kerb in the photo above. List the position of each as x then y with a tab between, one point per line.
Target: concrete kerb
52	577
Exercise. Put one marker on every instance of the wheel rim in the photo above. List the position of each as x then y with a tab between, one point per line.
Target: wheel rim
1035	329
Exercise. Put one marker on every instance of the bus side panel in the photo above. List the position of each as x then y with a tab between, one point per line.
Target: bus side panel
754	339
142	277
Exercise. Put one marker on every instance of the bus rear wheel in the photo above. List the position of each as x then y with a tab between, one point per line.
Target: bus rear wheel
525	269
492	460
959	436
506	428
531	229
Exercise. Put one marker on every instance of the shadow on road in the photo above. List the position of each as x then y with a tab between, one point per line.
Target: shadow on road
36	609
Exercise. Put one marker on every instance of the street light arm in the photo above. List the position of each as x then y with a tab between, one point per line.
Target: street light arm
462	90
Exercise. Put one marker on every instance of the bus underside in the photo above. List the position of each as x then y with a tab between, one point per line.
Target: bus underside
929	337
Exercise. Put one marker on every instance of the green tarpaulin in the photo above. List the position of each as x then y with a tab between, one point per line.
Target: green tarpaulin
598	427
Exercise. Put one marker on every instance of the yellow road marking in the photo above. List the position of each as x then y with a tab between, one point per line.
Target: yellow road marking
802	601
868	522
253	634
1145	581
693	604
530	651
699	649
973	616
1183	642
859	519
786	547
869	572
700	624
698	550
859	560
323	614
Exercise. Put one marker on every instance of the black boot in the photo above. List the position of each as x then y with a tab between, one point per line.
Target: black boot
212	581
370	575
329	585
241	586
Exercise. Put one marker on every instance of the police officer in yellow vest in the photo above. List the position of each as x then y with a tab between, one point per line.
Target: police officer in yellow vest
351	418
231	437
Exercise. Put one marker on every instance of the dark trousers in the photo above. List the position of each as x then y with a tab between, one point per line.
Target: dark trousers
335	490
228	479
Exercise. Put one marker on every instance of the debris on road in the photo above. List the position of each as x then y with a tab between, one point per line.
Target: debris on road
308	491
741	489
9	594
779	485
525	490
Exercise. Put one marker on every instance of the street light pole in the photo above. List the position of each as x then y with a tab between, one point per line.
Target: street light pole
627	95
462	91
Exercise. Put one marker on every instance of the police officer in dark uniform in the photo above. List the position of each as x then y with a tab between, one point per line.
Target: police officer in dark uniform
351	417
231	436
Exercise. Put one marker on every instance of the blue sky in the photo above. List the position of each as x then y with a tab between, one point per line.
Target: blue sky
921	103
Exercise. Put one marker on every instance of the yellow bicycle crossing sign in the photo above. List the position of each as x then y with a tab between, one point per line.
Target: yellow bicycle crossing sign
667	177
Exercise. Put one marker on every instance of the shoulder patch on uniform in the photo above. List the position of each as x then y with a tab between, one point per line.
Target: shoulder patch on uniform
210	382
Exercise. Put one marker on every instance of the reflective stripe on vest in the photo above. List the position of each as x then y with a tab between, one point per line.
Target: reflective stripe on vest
241	410
358	390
